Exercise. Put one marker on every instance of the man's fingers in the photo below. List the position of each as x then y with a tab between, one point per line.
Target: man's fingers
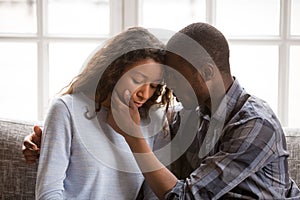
37	136
31	144
37	130
31	159
28	144
31	156
31	153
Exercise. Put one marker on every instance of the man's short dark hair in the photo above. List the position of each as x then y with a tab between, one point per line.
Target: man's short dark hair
209	38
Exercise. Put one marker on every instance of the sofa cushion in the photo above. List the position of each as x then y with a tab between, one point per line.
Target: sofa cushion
17	179
293	146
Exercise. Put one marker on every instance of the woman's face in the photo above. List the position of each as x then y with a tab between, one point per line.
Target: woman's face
141	79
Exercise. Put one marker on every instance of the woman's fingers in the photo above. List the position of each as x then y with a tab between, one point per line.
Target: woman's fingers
125	113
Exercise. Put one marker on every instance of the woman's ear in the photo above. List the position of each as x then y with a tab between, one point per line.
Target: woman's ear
208	72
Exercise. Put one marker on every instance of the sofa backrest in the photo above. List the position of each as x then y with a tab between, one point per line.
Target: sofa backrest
293	146
17	178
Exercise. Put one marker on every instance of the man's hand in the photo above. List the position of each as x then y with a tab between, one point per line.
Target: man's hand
31	145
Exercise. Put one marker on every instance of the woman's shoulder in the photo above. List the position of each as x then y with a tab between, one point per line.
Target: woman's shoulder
59	104
68	99
73	103
63	100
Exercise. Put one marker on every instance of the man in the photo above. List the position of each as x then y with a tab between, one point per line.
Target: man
233	145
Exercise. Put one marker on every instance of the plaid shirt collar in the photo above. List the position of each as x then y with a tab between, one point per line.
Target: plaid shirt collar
225	107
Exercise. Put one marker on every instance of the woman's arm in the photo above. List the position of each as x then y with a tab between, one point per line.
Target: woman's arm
125	119
55	152
159	178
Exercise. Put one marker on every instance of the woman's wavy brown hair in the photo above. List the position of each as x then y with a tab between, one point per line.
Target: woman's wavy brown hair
107	65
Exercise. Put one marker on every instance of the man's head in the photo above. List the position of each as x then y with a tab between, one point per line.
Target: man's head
200	53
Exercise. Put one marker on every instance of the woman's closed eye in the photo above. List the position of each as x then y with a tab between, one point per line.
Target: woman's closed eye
152	85
137	81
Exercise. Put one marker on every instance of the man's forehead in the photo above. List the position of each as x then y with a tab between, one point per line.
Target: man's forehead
170	56
179	65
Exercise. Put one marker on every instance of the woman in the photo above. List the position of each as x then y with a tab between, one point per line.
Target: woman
82	155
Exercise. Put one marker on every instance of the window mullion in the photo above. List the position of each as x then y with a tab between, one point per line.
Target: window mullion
43	59
130	13
211	11
283	76
116	16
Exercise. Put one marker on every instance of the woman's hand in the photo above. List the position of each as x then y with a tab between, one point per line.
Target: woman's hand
124	116
125	119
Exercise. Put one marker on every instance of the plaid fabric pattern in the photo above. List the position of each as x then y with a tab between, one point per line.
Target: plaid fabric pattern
247	158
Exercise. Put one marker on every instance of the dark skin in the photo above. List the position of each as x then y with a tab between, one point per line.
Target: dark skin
32	142
161	180
31	145
209	86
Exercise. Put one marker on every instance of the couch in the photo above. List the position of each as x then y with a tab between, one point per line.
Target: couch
17	178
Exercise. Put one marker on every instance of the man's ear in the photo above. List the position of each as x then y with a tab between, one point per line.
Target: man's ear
208	71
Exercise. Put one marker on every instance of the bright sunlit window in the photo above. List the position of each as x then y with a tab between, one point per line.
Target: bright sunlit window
248	17
170	14
18	80
264	37
79	17
44	44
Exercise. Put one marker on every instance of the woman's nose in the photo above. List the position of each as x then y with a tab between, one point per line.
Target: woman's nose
145	92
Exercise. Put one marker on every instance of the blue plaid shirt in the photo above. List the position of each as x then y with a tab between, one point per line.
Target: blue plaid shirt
238	153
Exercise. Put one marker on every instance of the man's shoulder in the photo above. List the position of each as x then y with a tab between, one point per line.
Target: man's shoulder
255	108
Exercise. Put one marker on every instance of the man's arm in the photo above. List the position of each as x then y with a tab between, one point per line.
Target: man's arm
31	145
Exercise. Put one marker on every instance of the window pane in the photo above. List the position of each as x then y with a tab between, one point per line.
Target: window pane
18	81
295	18
18	16
65	62
78	17
256	68
248	17
170	14
294	88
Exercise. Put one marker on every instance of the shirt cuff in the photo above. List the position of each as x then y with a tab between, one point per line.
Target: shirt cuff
176	191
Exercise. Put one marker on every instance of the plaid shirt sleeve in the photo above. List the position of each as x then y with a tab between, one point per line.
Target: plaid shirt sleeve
241	152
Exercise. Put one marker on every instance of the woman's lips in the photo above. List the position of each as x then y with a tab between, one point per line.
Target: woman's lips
138	104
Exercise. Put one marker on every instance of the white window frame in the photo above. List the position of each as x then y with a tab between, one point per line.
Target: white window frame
124	14
43	39
284	41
